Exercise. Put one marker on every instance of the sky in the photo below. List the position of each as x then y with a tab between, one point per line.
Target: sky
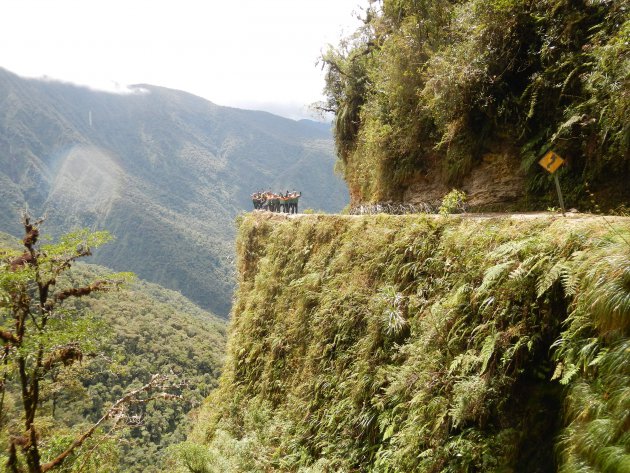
255	54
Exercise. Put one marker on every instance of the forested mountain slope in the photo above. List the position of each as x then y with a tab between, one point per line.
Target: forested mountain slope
164	171
424	344
143	330
434	94
152	330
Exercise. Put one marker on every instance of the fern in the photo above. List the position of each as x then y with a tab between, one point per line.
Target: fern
523	270
570	281
487	351
493	275
550	277
565	127
568	373
512	248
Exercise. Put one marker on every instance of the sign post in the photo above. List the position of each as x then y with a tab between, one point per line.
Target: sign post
551	162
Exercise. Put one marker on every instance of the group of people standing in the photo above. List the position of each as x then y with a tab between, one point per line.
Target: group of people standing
286	203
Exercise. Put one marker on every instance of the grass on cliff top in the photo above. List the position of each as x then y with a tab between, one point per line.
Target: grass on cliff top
423	343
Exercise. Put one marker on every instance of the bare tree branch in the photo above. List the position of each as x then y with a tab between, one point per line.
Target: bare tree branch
67	355
116	412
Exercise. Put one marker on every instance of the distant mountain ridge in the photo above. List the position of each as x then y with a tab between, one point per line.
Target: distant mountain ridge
163	170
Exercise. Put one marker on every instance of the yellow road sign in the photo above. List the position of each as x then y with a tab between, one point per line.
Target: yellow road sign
551	162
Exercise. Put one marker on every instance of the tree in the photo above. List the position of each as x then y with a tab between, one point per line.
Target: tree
41	333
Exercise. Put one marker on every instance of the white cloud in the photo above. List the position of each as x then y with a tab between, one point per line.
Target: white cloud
231	52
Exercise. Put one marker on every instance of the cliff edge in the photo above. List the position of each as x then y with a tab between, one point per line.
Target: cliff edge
424	343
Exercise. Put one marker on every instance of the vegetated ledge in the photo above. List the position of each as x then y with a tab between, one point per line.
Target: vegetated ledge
424	343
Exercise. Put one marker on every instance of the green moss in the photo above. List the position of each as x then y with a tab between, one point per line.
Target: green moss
424	343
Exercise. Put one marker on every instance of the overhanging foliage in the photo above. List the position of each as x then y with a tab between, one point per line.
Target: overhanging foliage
434	84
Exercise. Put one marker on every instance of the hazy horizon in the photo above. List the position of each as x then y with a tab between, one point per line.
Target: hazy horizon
244	54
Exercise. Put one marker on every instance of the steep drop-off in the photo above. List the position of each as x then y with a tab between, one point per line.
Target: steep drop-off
164	171
424	343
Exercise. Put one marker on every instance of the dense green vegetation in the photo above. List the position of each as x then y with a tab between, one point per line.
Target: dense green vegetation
424	343
127	336
434	84
152	330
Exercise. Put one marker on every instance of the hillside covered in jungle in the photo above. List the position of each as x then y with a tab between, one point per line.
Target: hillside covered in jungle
125	338
164	171
434	94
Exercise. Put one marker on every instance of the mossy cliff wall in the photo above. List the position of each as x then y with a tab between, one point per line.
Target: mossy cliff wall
424	343
434	94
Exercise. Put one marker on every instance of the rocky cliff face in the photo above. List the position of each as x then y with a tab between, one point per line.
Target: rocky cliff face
428	95
495	182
